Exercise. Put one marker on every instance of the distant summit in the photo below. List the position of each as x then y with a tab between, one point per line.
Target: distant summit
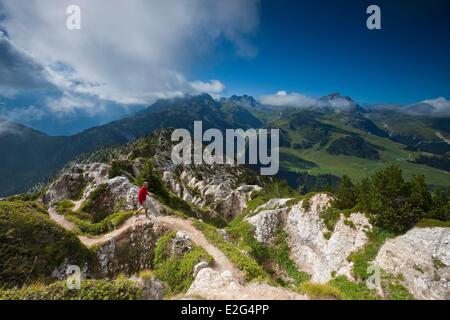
439	107
339	102
245	101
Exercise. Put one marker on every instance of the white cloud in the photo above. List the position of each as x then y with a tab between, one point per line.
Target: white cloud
22	114
282	98
441	104
18	71
69	103
341	103
128	51
7	127
299	100
211	87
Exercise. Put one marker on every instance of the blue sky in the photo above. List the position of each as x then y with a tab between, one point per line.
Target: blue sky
317	47
62	81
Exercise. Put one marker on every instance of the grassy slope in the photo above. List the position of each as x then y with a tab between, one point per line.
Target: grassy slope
32	246
357	168
406	125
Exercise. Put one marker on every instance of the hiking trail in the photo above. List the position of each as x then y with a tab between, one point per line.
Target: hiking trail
239	290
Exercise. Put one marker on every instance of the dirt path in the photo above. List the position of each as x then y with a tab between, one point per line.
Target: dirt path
221	262
236	289
59	219
91	241
77	205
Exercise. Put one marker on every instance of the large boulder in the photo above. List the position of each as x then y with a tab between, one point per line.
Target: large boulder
421	258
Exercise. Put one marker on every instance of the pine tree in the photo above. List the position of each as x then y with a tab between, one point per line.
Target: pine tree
440	207
346	195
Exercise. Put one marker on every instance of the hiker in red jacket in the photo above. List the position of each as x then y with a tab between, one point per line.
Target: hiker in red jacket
142	197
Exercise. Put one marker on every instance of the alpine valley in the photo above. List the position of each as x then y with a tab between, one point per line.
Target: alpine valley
360	196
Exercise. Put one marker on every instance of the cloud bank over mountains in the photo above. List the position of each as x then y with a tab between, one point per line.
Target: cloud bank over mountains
134	54
439	107
125	57
299	100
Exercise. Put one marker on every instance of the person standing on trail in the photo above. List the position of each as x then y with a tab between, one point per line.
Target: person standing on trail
142	197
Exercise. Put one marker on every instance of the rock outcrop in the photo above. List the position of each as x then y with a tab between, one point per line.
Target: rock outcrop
152	289
129	252
181	244
216	285
312	252
268	218
81	180
213	188
75	182
421	259
266	224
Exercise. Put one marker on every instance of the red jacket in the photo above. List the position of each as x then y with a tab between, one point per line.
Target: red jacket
142	194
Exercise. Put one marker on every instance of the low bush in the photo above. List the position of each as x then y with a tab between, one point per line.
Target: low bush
353	291
118	289
176	271
98	203
108	224
433	223
320	291
250	268
362	258
330	217
64	206
119	168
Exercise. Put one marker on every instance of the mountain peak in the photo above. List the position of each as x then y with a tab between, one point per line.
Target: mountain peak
438	102
336	96
432	107
244	101
342	103
14	128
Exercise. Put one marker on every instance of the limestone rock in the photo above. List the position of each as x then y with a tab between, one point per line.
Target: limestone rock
181	243
311	251
212	283
129	252
216	285
422	257
266	224
274	203
76	182
153	289
199	266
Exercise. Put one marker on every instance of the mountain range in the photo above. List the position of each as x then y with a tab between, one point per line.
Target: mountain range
343	137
